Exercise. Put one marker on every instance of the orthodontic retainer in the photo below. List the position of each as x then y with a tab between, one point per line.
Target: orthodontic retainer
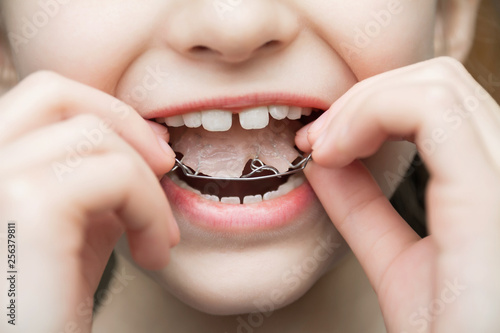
256	166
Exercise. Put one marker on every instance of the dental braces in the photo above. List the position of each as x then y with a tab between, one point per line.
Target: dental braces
256	166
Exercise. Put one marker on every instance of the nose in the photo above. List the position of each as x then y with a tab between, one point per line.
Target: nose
231	31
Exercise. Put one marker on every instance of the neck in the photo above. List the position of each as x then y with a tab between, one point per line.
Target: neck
342	301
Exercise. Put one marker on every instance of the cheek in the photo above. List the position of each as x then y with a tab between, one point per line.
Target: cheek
379	35
89	43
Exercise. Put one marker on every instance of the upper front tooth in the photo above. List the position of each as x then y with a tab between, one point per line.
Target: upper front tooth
216	120
294	112
192	119
278	112
255	118
174	121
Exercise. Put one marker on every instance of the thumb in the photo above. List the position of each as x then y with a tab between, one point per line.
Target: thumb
362	214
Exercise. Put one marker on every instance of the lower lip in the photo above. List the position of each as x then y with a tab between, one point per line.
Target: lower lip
262	216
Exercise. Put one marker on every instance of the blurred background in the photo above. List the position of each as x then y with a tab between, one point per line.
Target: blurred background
484	59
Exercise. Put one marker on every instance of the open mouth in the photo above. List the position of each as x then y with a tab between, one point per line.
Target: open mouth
222	144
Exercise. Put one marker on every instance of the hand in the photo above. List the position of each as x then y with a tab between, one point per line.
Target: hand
448	281
78	169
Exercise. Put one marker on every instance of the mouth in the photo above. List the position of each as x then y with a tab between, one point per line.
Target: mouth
222	144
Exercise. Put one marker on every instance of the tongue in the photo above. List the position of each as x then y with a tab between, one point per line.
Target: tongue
225	154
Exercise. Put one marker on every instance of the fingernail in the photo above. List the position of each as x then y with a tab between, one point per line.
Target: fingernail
318	124
157	128
304	130
319	141
165	146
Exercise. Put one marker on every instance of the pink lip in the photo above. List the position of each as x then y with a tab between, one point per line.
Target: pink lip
238	103
266	215
258	217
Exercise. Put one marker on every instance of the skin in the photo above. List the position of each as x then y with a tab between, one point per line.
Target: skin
81	67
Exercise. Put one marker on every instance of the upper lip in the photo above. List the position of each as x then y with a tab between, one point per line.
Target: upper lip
238	103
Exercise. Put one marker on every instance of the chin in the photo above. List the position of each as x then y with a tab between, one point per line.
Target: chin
235	273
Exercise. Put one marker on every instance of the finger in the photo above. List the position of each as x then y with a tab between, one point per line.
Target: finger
302	139
62	144
417	100
457	153
449	151
92	187
484	112
53	98
437	96
363	215
310	133
131	191
102	233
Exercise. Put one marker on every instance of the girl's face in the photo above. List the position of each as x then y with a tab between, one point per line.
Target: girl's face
168	57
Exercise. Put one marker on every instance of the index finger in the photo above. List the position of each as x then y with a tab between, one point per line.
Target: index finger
45	97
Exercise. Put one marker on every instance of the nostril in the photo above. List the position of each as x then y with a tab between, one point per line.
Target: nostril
200	49
206	49
271	44
235	53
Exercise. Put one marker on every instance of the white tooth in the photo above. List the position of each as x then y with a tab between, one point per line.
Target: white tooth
294	112
285	188
230	200
270	195
174	121
160	120
307	111
296	181
177	180
255	118
292	183
249	199
192	119
216	120
184	185
211	197
278	112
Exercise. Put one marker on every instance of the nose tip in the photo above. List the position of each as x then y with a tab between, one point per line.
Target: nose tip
249	29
